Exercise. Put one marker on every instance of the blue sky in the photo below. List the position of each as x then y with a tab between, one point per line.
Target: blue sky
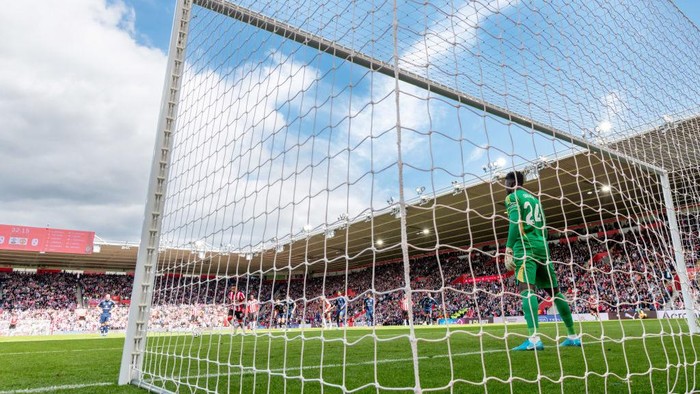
153	18
82	88
611	107
691	8
587	95
153	21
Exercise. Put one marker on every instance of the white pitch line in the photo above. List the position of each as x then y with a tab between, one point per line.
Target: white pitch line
60	351
150	348
88	350
57	388
251	370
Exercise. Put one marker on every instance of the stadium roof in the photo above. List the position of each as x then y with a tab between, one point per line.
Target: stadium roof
471	216
477	214
461	217
112	257
673	146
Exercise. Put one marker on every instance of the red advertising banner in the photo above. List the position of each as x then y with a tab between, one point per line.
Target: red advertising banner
93	272
466	278
607	234
44	271
568	240
47	240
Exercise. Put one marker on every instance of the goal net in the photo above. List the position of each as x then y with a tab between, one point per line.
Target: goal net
327	206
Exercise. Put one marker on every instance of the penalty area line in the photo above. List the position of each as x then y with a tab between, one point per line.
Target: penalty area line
49	389
282	371
278	371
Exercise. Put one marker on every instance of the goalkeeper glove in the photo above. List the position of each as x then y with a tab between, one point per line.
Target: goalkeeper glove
510	263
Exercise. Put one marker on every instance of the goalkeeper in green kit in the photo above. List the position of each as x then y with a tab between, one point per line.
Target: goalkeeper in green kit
528	254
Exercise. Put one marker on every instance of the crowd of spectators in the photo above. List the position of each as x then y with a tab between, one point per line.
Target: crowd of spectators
38	291
622	271
96	286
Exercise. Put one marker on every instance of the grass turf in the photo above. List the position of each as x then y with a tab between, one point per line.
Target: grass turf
618	356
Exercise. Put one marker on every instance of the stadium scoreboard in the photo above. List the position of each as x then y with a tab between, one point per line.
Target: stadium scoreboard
45	240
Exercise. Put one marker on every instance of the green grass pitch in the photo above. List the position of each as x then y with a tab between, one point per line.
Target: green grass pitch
632	357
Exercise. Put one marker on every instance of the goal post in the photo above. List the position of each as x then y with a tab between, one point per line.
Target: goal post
325	210
679	258
149	249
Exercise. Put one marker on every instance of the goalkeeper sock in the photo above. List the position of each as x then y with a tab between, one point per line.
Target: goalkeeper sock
530	306
565	313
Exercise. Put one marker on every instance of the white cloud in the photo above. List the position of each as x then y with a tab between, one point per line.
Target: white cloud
79	100
477	153
453	33
613	111
270	152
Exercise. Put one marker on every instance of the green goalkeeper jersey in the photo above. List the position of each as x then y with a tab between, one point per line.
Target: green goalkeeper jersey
526	232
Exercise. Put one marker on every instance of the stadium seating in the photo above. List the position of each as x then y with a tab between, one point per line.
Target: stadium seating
621	275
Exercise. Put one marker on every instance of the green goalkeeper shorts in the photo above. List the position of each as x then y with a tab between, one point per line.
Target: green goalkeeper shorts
535	270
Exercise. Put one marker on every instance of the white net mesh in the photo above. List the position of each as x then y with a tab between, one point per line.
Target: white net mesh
340	164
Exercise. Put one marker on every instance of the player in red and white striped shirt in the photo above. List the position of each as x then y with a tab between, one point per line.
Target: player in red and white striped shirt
594	307
238	307
252	311
404	308
326	315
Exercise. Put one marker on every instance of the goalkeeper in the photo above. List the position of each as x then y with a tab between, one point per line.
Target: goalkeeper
528	254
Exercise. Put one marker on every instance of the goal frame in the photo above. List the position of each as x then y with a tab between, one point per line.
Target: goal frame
147	258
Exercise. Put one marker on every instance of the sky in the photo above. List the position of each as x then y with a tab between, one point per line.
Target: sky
79	99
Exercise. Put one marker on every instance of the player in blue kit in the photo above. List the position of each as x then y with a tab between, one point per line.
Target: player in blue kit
105	307
289	308
369	309
428	304
341	304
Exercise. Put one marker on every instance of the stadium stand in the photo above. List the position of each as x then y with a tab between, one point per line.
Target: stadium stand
619	271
